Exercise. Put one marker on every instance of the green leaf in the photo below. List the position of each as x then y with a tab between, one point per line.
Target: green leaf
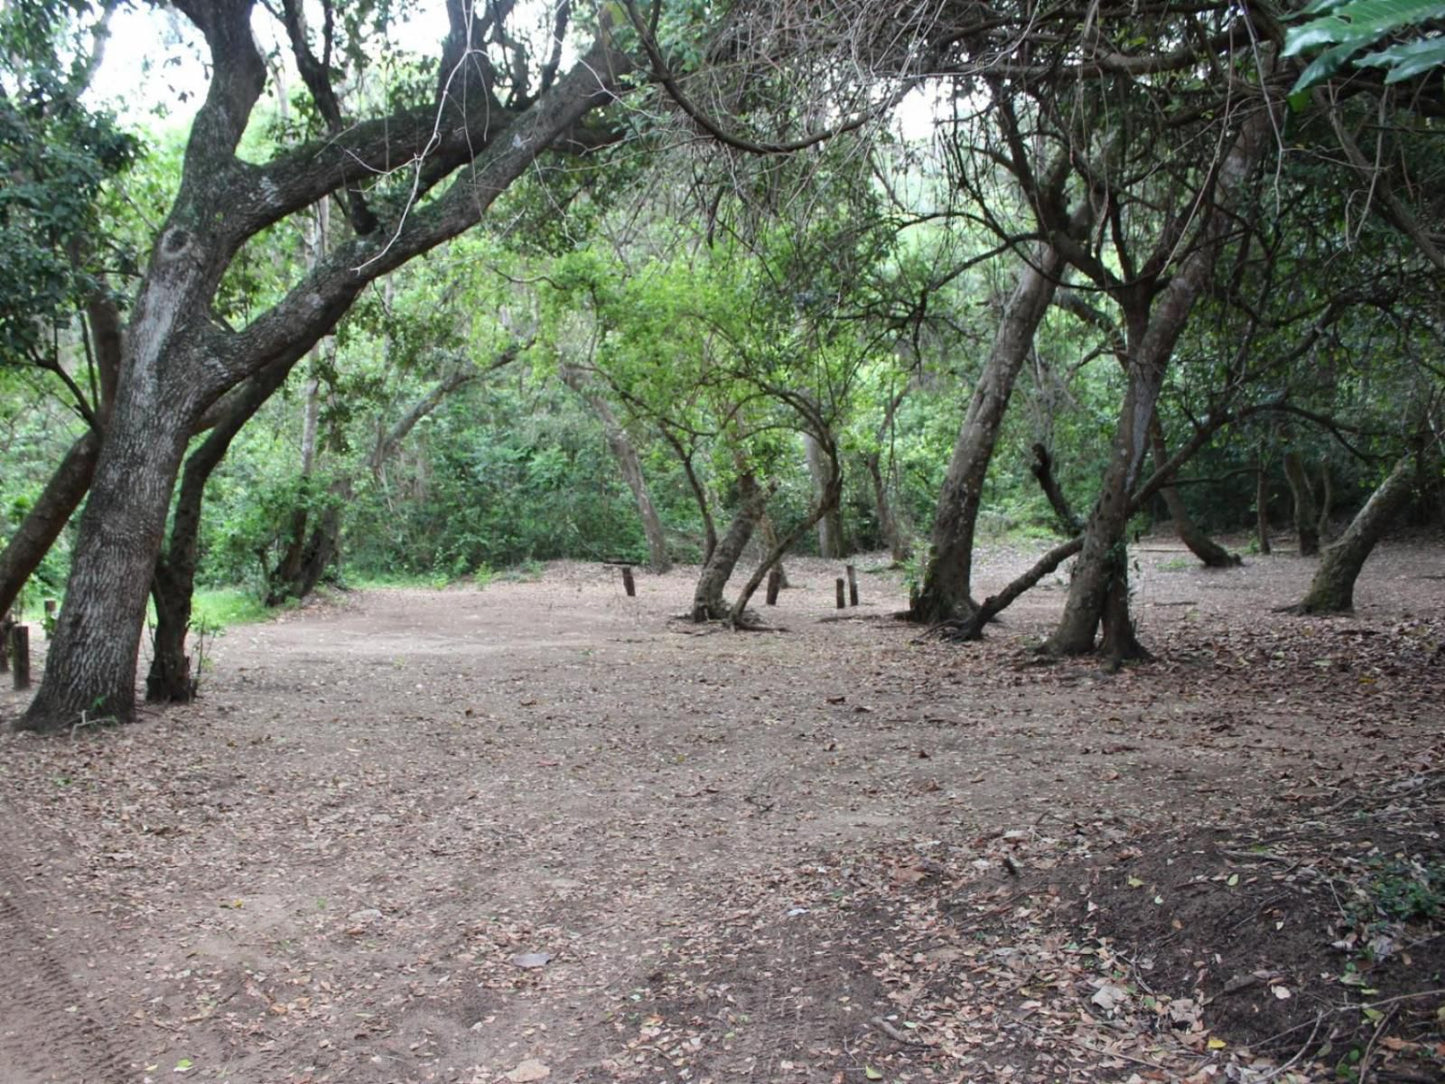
1406	60
872	1073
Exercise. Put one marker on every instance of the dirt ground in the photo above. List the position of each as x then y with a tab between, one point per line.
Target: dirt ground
540	830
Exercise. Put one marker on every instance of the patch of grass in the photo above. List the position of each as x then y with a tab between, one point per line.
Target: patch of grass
222	607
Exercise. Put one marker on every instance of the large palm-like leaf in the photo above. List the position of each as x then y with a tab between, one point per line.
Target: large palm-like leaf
1349	26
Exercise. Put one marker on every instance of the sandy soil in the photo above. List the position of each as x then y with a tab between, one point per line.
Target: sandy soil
542	830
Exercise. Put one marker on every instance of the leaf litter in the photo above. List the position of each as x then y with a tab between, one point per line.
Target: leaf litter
526	833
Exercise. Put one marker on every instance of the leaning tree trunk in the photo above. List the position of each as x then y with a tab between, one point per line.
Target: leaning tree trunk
47	517
1333	588
699	492
1200	544
947	578
1306	518
1153	327
179	358
830	526
173	587
707	599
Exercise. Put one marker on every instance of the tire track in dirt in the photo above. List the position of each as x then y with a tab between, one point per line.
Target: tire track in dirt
50	1029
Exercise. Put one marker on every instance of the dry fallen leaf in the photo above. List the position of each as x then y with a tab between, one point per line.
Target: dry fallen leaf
529	1070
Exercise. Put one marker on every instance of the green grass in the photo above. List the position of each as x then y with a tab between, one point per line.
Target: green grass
219	608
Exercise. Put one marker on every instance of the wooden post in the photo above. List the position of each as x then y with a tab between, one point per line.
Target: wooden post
5	624
838	583
20	643
775	584
852	586
628	583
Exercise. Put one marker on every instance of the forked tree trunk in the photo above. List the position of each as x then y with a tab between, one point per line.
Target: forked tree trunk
47	517
945	593
827	501
1096	570
173	587
179	359
707	599
830	525
1306	517
1200	544
894	537
1332	590
1153	324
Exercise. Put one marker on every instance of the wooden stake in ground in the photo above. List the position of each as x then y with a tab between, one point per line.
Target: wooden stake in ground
838	583
628	583
852	586
775	584
20	646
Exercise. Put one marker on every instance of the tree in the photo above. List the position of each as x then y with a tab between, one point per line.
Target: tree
495	109
57	156
1332	590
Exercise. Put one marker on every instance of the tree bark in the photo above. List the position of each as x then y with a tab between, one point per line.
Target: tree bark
1261	506
173	586
47	517
826	502
707	598
1327	499
1306	518
1332	590
1042	469
1210	552
1153	324
699	492
947	579
830	525
631	466
178	359
894	536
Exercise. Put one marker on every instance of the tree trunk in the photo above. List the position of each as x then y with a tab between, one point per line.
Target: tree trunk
1332	590
699	492
173	587
283	580
827	501
631	467
1200	544
47	517
1306	518
707	599
1042	469
91	665
893	535
1327	499
769	531
947	579
1261	506
179	359
830	524
1097	567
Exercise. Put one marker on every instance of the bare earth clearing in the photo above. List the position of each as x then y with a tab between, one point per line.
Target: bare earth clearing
539	831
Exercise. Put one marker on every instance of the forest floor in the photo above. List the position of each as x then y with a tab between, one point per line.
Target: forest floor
544	831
